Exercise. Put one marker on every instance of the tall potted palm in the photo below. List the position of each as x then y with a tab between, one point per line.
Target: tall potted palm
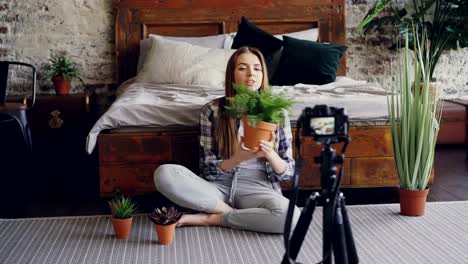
414	120
444	21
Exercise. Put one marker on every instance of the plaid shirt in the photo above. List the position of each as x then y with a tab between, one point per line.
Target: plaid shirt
210	160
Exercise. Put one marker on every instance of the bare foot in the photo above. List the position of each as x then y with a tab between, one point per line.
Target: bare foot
199	219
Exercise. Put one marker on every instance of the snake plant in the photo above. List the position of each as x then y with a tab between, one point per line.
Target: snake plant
414	109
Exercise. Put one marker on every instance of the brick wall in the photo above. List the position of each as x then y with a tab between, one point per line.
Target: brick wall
31	30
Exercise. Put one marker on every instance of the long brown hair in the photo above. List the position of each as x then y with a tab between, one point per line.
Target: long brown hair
226	131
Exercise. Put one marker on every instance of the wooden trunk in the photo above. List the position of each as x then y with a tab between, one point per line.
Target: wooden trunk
128	160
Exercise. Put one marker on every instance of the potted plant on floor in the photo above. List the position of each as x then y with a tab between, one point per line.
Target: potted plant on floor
414	121
62	71
122	209
444	21
165	221
261	113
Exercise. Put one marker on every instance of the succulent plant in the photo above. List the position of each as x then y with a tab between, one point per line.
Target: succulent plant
122	207
165	216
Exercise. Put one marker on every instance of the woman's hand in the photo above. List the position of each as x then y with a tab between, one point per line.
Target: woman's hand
267	149
241	154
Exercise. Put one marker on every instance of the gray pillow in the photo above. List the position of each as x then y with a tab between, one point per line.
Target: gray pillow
215	42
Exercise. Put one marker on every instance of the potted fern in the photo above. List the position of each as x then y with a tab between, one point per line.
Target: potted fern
165	221
122	209
414	121
62	71
261	113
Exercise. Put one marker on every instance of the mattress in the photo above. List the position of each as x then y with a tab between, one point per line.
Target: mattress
155	107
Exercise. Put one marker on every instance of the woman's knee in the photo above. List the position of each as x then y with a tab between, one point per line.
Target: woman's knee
280	212
164	175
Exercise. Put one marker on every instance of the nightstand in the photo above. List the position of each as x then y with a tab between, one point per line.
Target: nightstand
59	127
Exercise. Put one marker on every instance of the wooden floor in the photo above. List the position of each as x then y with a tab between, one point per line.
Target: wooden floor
450	184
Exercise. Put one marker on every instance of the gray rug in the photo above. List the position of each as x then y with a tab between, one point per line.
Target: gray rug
381	235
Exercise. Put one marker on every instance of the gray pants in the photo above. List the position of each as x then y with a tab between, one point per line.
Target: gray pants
259	206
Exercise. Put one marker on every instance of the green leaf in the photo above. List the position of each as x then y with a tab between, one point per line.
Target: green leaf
122	207
378	7
61	65
258	106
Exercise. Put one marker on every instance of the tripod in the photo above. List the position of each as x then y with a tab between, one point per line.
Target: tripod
337	235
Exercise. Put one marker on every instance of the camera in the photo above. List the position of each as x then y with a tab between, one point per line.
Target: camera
325	124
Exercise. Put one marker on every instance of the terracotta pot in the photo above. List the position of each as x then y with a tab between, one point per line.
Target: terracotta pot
165	233
122	227
413	202
61	85
253	135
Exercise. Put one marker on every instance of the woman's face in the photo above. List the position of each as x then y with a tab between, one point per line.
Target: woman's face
248	71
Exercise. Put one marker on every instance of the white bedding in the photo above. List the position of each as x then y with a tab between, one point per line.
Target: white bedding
151	105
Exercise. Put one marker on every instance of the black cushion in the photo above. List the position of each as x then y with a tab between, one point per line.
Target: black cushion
309	62
250	35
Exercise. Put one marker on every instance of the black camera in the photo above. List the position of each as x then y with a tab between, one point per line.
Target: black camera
325	124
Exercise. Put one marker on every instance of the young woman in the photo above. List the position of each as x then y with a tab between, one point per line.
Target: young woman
239	188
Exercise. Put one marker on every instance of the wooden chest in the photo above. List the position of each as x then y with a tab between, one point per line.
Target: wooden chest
127	160
59	126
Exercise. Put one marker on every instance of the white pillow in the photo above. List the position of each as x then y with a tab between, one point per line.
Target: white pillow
174	62
309	34
216	41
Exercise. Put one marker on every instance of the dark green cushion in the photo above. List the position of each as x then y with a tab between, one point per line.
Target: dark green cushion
250	35
307	62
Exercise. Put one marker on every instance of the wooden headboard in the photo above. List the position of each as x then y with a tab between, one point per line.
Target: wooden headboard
136	19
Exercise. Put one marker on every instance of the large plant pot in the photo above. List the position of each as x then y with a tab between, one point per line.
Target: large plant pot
253	135
61	85
413	202
165	233
122	227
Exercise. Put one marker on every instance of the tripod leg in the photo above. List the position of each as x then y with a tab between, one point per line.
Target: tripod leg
339	238
301	228
329	208
350	245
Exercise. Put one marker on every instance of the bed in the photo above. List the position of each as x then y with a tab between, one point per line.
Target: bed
160	127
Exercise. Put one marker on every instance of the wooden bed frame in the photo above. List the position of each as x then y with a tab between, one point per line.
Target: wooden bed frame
127	160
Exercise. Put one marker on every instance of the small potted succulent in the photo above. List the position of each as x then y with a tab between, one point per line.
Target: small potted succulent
62	70
165	221
122	209
261	113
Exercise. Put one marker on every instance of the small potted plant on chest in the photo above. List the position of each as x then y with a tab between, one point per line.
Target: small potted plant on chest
261	113
165	221
62	70
122	209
